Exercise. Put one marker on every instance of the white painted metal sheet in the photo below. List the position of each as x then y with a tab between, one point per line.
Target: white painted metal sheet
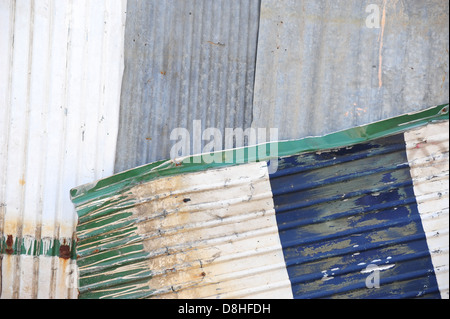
428	155
61	65
184	239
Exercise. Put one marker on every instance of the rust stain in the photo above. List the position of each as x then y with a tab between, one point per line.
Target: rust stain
218	43
148	138
163	72
22	181
64	251
9	245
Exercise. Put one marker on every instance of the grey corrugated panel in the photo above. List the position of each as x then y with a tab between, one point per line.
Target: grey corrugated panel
184	61
60	74
320	69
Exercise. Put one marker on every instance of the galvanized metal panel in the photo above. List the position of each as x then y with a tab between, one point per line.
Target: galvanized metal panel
60	75
320	68
185	60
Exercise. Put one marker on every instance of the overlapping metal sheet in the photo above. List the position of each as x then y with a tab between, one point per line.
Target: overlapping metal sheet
324	66
185	60
331	223
61	63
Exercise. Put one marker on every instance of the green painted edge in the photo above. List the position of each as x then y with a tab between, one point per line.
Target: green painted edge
120	182
62	248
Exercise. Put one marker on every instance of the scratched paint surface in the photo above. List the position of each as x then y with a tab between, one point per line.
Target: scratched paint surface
191	231
342	210
180	237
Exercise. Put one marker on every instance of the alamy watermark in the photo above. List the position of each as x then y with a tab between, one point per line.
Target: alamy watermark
261	144
373	279
373	19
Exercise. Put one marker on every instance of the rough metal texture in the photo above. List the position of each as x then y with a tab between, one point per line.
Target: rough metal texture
209	234
320	68
184	61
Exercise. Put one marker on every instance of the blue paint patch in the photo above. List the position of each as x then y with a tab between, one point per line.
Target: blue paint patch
348	221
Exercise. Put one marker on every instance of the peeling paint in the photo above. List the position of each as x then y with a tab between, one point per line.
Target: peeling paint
221	243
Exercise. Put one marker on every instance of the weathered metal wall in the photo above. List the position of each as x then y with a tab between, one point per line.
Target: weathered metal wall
321	226
320	68
61	63
185	60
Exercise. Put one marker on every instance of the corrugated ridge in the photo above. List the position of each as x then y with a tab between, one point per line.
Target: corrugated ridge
184	61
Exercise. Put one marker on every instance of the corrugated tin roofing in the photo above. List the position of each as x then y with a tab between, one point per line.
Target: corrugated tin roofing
320	68
185	60
322	225
60	72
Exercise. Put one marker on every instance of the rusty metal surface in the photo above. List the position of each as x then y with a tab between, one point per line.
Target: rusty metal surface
185	60
320	68
60	75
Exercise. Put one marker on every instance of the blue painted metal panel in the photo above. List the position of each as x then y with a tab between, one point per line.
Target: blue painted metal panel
340	211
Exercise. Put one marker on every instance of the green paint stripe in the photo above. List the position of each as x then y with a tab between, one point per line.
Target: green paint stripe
113	278
47	247
121	182
136	290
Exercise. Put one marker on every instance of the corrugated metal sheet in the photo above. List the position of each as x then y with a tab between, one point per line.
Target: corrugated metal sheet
342	210
61	64
312	229
321	69
185	60
178	237
428	155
